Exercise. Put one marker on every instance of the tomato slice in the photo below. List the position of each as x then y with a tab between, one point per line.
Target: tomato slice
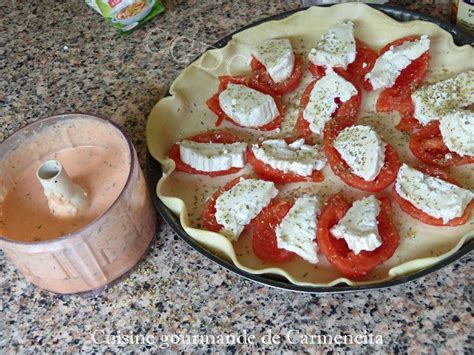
363	63
408	124
427	145
302	126
398	97
207	137
264	241
209	211
387	174
214	105
225	80
413	75
318	71
283	87
345	115
413	211
266	172
336	250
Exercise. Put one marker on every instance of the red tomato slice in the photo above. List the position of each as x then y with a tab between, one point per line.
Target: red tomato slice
281	88
437	172
345	115
395	99
387	175
266	172
318	71
302	126
413	75
398	97
214	106
264	241
413	211
408	124
363	63
225	80
209	211
336	250
207	137
427	145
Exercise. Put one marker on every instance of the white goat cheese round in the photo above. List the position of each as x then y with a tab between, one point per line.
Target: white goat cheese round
336	48
359	227
212	156
236	207
297	157
432	195
322	102
278	58
297	230
362	149
248	107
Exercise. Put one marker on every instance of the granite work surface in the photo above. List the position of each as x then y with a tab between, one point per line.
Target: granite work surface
62	58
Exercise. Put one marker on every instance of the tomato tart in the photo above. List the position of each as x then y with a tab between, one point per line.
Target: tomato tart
334	146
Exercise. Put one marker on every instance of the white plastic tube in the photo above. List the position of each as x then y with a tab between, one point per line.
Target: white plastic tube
65	199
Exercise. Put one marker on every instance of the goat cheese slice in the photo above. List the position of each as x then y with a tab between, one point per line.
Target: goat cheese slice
248	107
362	149
434	196
236	207
389	65
297	157
278	58
297	230
359	227
457	130
436	100
336	48
212	156
322	98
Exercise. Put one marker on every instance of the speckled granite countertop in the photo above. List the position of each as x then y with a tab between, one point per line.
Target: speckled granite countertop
62	58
